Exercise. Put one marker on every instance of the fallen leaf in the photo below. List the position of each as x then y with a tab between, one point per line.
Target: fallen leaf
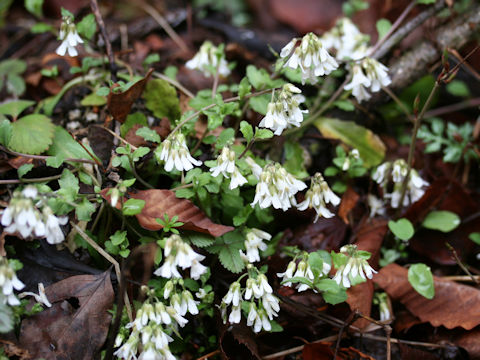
160	202
411	353
237	342
470	341
453	305
76	325
349	200
353	353
317	351
119	104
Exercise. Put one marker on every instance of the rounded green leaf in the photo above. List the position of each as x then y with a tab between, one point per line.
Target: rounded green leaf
32	134
421	278
133	206
402	228
444	221
15	108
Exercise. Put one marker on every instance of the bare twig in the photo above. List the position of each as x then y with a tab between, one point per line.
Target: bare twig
133	147
459	263
453	107
106	40
44	157
209	355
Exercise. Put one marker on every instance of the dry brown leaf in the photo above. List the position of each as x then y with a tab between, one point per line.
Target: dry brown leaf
119	104
317	351
160	202
349	200
453	305
76	325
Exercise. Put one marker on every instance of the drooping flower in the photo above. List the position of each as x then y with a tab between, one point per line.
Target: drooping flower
277	188
318	196
9	282
368	74
284	111
311	56
359	84
356	265
174	152
347	41
226	166
255	242
69	37
208	59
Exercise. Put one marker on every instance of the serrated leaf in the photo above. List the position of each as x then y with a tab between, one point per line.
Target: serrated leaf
231	260
69	186
263	134
244	88
260	103
421	278
31	134
84	210
225	137
64	146
161	98
371	148
15	108
133	207
247	130
402	228
148	134
24	169
199	240
259	78
444	221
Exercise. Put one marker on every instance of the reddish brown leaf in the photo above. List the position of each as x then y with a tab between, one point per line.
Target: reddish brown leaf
349	200
353	353
411	353
317	351
119	104
11	349
161	202
238	342
76	325
470	341
453	305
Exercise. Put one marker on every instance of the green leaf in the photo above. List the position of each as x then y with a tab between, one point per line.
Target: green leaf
421	278
444	221
242	216
426	1
475	237
263	133
199	240
345	105
383	25
335	297
458	88
87	27
225	138
40	28
371	148
119	237
34	7
93	99
244	88
15	108
13	66
15	84
150	59
6	318
5	131
247	130
133	119
259	78
260	103
318	258
148	134
68	185
103	91
66	13
328	285
402	228
294	159
84	210
32	134
228	249
55	161
133	207
161	99
64	146
24	169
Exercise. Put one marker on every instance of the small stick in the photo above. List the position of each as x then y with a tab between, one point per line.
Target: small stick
459	262
174	83
44	157
205	357
108	45
298	348
116	136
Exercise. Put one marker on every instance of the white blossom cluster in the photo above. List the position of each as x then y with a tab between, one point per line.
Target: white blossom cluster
69	37
178	253
318	196
8	283
352	155
311	56
183	301
302	270
208	59
174	152
28	216
253	243
263	306
355	266
347	42
398	171
367	74
285	111
276	187
226	166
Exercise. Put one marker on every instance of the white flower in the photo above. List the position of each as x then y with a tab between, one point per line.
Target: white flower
226	167
254	243
271	305
181	321
233	295
380	175
201	293
256	169
376	206
237	179
128	350
303	270
53	232
30	192
285	111
207	60
377	73
235	315
355	266
41	297
288	274
359	84
189	303
168	269
174	152
311	56
318	196
277	188
70	38
9	282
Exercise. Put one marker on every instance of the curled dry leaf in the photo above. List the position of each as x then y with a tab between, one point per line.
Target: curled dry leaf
76	325
349	200
119	104
453	305
238	342
161	202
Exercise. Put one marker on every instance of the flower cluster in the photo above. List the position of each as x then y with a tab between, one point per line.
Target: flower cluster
346	40
311	56
174	152
352	266
208	60
69	37
399	170
260	313
254	243
179	253
226	166
302	270
318	196
367	74
23	216
277	188
285	111
9	282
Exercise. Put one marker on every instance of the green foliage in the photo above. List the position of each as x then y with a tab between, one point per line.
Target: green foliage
168	224
247	130
65	147
228	247
458	88
444	221
198	239
148	134
383	25
24	169
34	7
402	228
93	99
10	76
244	88
426	2
133	207
87	27
31	134
421	278
133	119
15	108
295	160
475	237
6	317
161	99
350	7
118	244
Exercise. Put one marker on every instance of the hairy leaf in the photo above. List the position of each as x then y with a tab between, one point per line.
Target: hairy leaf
32	134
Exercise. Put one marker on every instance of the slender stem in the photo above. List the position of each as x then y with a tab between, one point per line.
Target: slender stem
174	83
29	181
452	108
209	355
106	40
248	147
44	157
138	177
459	262
400	103
133	147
